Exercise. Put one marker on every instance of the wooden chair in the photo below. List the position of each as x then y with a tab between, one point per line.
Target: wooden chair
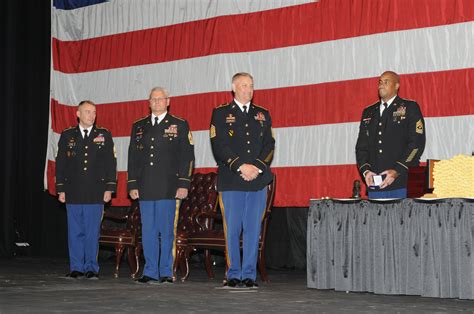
206	237
202	198
128	237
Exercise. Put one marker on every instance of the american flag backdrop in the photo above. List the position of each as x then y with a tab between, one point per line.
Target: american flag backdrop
315	65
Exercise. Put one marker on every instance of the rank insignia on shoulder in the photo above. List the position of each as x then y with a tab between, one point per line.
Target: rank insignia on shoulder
212	131
190	138
419	127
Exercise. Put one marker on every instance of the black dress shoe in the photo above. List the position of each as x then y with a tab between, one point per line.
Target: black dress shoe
166	280
233	283
146	279
249	283
92	275
75	275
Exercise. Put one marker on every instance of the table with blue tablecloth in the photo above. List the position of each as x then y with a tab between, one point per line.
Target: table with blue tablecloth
408	247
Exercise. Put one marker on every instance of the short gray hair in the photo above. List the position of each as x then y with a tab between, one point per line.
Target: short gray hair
241	74
159	89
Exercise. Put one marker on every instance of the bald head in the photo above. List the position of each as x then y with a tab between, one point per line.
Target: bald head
389	83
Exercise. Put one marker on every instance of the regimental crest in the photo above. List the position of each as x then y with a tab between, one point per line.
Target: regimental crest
260	116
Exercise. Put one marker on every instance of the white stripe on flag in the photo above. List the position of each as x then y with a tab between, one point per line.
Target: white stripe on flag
330	144
120	16
412	51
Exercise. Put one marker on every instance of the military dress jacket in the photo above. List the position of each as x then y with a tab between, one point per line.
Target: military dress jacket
238	138
395	140
86	168
160	157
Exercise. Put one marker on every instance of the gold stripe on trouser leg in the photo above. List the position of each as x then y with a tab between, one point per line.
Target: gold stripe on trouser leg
264	206
101	218
221	204
175	228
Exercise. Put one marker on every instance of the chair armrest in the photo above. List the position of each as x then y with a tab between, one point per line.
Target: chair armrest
205	219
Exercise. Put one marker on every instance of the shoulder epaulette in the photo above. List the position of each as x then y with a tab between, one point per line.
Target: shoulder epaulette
177	117
371	105
260	107
223	105
143	118
101	127
69	128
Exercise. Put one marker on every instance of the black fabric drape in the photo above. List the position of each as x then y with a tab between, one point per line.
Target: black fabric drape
25	68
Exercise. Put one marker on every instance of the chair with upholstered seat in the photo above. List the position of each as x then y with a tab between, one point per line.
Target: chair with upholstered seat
121	238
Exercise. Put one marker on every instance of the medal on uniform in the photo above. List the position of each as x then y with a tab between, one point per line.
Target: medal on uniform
99	139
172	131
400	113
71	143
230	118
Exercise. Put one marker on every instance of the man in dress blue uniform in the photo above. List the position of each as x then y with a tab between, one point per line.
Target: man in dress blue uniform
243	145
160	165
391	139
85	179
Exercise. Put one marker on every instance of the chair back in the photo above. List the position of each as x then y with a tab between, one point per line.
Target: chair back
202	198
268	207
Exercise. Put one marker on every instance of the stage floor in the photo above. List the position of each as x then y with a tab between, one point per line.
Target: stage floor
35	285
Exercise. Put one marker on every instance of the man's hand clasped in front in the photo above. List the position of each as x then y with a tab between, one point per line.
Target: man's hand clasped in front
249	172
390	176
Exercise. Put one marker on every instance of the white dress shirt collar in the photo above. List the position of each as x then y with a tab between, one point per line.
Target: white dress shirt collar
160	117
389	102
89	129
241	106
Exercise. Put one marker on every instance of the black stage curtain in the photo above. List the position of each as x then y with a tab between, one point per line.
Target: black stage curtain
27	212
30	214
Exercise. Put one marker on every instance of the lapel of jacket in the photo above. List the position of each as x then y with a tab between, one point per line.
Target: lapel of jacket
242	116
79	135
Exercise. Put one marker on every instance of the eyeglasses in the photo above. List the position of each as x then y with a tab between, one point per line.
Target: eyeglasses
158	99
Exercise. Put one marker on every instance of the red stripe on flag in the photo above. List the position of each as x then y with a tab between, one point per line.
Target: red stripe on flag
289	26
305	183
326	103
